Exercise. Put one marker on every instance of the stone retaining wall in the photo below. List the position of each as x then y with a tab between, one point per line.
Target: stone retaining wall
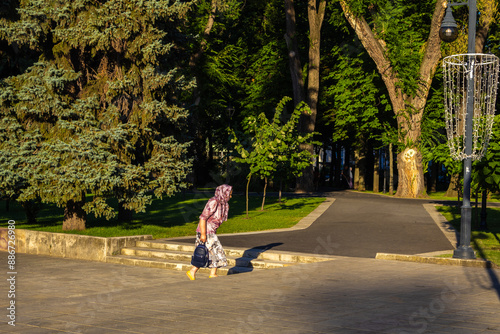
71	246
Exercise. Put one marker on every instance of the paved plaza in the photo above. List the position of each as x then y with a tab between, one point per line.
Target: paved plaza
348	294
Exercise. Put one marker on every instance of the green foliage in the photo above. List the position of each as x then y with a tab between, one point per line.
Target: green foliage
433	128
357	101
266	77
403	27
359	7
99	112
272	146
488	169
240	71
433	144
441	154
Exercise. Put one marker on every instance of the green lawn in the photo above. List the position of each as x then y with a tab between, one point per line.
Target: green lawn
440	195
176	216
485	243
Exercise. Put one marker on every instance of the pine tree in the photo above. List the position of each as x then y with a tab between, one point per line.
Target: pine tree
98	115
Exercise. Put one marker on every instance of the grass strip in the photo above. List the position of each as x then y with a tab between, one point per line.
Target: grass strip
485	243
176	216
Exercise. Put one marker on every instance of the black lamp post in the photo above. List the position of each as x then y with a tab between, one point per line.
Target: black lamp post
449	33
230	113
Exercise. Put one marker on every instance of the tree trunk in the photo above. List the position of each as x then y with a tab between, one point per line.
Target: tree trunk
338	167
376	170
333	168
195	57
359	171
316	14
248	185
293	53
391	171
347	161
454	186
322	174
124	215
264	196
199	141
410	176
486	18
31	209
433	179
74	216
279	194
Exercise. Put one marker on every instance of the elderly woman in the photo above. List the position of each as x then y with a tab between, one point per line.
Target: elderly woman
214	214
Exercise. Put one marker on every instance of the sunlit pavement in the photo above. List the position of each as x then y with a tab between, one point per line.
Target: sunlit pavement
349	294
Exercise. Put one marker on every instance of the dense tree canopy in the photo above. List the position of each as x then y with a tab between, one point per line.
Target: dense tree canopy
115	99
239	68
98	113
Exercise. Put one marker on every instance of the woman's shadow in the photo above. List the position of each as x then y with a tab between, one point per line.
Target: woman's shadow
244	263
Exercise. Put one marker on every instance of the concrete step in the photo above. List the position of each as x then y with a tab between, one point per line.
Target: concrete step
185	256
238	252
165	254
171	264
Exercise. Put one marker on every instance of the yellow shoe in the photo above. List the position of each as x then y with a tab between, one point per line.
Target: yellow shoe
213	276
191	277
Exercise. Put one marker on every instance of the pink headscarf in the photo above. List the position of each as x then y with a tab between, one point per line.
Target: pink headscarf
216	209
222	196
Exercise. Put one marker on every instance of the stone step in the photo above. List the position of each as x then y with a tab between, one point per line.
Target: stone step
172	264
238	252
165	254
185	256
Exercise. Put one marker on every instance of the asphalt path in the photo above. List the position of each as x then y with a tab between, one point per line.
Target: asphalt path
356	225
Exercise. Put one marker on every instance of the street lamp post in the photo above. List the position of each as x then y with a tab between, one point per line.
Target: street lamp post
449	33
230	113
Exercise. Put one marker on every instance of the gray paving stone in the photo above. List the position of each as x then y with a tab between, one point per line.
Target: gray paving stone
336	297
345	295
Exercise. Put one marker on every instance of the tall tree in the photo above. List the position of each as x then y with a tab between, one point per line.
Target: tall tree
404	44
315	13
240	73
357	104
293	52
206	65
99	113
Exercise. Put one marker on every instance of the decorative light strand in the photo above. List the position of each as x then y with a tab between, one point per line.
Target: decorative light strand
482	69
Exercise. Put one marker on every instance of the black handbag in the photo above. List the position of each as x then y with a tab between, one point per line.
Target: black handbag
200	256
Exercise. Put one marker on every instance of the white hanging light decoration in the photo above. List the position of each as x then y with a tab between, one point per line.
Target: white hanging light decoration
481	70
